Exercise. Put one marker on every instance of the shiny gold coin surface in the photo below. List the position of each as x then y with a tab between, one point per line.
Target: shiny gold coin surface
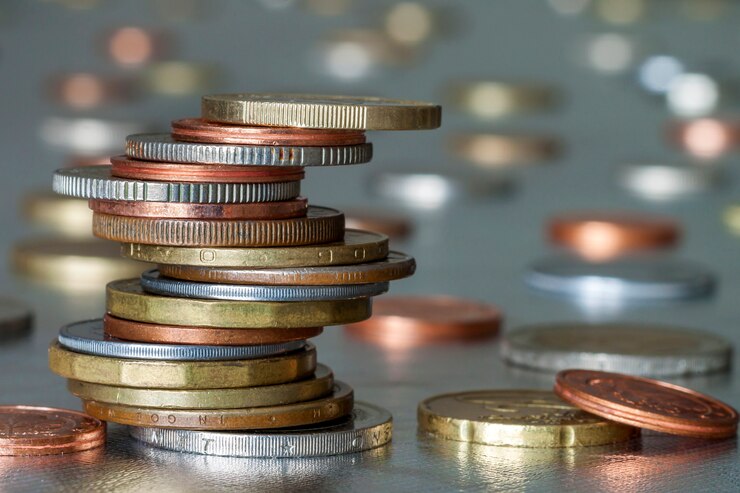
494	150
126	299
67	216
157	374
516	418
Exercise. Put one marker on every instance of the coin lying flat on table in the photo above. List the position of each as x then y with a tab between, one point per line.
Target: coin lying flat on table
16	318
628	348
516	418
666	181
366	428
647	403
67	216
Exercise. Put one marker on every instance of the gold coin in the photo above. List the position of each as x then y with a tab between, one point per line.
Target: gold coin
64	215
267	395
126	299
490	99
319	111
501	150
356	248
732	219
516	418
335	406
157	374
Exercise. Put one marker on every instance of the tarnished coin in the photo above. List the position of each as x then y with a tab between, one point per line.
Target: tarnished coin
173	210
627	348
67	216
366	428
516	418
16	318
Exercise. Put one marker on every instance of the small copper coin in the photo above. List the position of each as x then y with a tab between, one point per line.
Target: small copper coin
647	403
175	210
202	173
198	130
705	138
27	430
403	321
178	334
605	235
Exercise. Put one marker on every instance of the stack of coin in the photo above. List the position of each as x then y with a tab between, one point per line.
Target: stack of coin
216	337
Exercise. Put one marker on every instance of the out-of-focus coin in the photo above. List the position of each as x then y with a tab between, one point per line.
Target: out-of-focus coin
705	138
126	299
692	95
178	334
27	430
607	234
647	403
159	374
321	111
179	78
493	150
88	337
628	348
392	225
732	219
366	428
133	46
253	210
491	99
88	136
402	321
659	181
409	23
395	266
162	147
516	418
16	318
85	91
336	406
356	248
321	225
67	216
320	385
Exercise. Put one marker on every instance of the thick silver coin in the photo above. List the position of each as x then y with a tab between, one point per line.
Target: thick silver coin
88	337
368	427
646	350
666	181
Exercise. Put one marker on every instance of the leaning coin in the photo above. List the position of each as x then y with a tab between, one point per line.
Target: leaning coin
88	337
366	428
16	318
516	418
628	348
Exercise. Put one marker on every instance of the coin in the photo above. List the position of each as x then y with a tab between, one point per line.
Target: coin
27	430
493	150
516	418
178	334
254	210
667	181
266	395
16	318
705	138
126	299
628	348
87	91
411	320
395	266
130	46
162	147
158	374
647	403
335	406
357	247
320	111
180	78
604	235
88	136
199	130
88	337
492	100
731	218
321	225
66	216
366	428
390	224
96	182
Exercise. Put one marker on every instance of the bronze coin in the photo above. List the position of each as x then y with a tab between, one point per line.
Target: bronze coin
176	210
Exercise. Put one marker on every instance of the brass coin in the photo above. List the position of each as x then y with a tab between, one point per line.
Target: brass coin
67	216
239	398
356	248
337	405
126	299
516	418
182	374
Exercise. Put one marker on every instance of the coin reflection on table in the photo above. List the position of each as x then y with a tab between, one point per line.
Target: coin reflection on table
499	150
67	216
665	181
705	138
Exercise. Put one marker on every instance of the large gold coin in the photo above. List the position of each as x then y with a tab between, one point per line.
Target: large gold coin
516	418
157	374
126	299
267	395
67	216
337	405
319	111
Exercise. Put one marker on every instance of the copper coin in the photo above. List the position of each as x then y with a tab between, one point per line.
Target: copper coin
254	210
202	173
605	235
178	334
198	130
647	403
27	430
403	321
85	91
705	138
391	225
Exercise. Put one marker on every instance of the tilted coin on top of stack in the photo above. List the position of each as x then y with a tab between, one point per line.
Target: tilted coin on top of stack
216	338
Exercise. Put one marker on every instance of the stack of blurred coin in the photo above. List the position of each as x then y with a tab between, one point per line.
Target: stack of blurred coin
216	337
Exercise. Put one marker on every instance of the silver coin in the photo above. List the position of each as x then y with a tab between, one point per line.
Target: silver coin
96	182
153	282
88	337
659	182
646	350
162	147
88	136
368	427
627	279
